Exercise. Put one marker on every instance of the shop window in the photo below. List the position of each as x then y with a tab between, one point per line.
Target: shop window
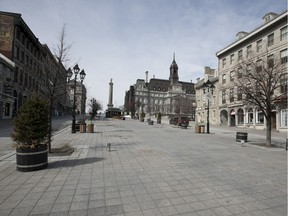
7	109
250	116
260	117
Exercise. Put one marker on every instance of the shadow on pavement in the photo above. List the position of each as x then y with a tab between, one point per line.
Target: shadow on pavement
73	162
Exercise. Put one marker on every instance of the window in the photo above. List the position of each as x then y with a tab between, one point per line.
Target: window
17	52
232	76
239	73
22	58
223	78
283	56
260	117
224	97
283	33
284	118
231	59
259	65
18	34
223	62
249	51
231	95
248	95
7	109
259	45
250	116
270	39
283	83
239	93
270	60
240	114
16	75
248	69
240	54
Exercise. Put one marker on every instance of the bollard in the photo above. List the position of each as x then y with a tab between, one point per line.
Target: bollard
242	143
286	144
109	146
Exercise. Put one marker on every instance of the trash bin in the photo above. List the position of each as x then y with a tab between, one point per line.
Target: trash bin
241	136
202	130
150	122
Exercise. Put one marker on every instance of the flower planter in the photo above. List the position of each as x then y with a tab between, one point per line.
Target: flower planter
83	128
90	128
32	159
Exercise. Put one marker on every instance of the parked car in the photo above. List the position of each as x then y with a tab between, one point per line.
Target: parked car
173	120
183	121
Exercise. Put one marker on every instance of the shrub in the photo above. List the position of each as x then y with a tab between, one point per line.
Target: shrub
31	125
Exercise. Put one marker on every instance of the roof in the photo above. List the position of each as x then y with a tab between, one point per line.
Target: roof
254	32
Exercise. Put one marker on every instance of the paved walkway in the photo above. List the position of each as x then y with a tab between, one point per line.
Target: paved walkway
150	170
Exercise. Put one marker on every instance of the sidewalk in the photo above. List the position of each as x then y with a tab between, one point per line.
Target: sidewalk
150	170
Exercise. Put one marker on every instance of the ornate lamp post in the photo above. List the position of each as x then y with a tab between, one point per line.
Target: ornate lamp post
210	88
82	76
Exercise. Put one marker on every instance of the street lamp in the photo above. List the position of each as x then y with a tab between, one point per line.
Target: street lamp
210	88
76	70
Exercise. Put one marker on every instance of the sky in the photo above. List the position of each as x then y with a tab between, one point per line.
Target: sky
121	39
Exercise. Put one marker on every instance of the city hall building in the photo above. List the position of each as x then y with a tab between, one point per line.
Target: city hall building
169	96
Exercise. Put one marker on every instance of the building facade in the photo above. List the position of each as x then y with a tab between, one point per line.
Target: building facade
81	96
36	68
263	45
158	95
202	98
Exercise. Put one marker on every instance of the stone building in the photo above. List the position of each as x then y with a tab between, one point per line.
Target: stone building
159	95
35	66
267	43
81	96
202	98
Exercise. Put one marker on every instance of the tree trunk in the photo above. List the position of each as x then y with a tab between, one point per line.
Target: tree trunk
50	128
268	131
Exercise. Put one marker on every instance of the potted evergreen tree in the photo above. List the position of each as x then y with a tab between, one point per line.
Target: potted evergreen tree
31	133
159	116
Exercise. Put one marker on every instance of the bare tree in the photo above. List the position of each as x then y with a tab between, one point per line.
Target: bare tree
260	84
54	76
94	106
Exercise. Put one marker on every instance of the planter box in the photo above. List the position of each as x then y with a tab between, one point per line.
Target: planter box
83	128
90	128
32	159
197	129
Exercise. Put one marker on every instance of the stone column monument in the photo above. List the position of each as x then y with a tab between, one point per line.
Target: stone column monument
110	103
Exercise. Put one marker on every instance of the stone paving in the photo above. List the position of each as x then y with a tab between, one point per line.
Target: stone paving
150	170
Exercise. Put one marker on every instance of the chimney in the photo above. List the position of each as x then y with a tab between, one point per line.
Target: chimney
146	76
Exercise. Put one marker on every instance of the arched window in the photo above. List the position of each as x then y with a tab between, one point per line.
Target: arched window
240	115
250	116
260	117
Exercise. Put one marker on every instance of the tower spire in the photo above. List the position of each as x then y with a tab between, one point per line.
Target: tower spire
174	56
